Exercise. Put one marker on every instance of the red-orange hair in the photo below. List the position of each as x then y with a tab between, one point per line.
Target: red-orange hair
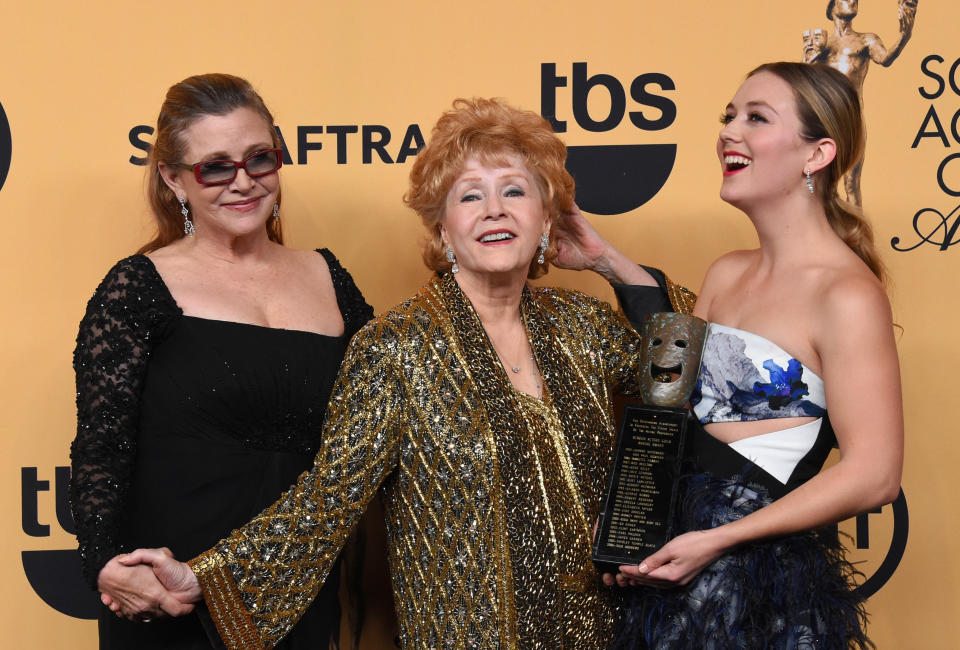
489	130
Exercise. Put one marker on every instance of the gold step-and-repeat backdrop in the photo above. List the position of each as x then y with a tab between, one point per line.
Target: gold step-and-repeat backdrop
635	88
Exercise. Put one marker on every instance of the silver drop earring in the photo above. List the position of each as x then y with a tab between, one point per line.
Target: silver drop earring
188	229
453	260
809	181
276	210
544	243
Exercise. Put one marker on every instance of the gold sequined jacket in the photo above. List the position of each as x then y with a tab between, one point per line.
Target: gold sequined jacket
490	495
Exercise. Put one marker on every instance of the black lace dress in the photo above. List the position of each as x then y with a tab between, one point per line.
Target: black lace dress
187	428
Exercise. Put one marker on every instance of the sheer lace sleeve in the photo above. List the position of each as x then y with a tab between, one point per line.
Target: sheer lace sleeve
354	309
125	314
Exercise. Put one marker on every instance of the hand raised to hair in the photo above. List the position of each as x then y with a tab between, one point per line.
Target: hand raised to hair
579	245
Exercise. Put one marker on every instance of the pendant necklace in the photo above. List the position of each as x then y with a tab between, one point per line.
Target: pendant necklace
515	369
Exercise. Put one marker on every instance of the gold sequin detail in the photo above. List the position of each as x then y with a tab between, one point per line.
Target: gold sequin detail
680	297
489	494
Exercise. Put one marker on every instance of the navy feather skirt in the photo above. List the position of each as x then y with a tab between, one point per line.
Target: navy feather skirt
792	592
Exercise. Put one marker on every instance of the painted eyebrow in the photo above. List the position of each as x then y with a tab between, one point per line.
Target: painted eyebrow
508	177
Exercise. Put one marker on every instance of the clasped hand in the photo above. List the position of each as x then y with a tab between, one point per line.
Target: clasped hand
148	584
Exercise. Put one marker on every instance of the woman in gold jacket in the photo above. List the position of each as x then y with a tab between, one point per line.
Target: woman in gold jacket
481	410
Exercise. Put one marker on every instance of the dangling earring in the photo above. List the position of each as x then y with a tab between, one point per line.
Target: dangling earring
188	229
276	210
809	181
544	243
453	260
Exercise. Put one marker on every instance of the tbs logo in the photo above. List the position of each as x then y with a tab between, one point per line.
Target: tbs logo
613	179
54	575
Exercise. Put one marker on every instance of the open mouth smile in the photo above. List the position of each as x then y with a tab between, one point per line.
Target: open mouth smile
664	375
496	236
734	162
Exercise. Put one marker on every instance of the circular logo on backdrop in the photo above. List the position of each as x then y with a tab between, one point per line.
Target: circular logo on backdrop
56	577
613	179
875	542
6	146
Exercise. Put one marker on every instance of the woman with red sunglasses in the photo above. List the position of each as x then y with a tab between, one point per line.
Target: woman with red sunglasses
204	364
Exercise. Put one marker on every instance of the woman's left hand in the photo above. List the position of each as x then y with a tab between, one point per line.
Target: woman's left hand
579	245
677	563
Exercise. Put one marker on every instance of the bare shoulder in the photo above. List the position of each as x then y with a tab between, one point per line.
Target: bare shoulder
723	273
171	252
731	265
854	300
171	261
307	263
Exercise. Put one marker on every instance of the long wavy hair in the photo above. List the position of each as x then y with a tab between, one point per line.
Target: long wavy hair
829	107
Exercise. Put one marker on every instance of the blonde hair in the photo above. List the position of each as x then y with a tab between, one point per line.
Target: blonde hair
185	103
489	130
829	107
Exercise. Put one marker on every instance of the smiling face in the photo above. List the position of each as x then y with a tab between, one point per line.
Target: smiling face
242	206
494	216
762	154
671	357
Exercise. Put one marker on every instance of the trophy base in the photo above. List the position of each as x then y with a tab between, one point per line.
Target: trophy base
643	488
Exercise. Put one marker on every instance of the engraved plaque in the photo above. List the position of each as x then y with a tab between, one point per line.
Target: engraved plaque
642	491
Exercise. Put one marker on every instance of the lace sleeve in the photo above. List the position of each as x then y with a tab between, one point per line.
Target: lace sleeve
354	309
113	345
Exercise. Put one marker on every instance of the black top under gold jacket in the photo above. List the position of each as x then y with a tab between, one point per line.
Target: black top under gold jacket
490	494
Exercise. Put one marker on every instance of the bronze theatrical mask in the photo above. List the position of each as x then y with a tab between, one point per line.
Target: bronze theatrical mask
671	357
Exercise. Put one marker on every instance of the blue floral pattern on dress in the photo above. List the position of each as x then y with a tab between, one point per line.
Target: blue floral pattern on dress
785	386
746	377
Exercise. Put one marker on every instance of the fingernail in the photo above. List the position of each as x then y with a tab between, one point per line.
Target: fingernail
643	568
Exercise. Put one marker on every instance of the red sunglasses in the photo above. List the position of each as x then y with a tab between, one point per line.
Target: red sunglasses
220	172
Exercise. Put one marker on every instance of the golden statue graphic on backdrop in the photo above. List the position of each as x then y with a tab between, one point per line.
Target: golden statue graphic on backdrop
850	52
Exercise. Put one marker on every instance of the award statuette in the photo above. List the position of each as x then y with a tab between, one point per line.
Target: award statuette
642	491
